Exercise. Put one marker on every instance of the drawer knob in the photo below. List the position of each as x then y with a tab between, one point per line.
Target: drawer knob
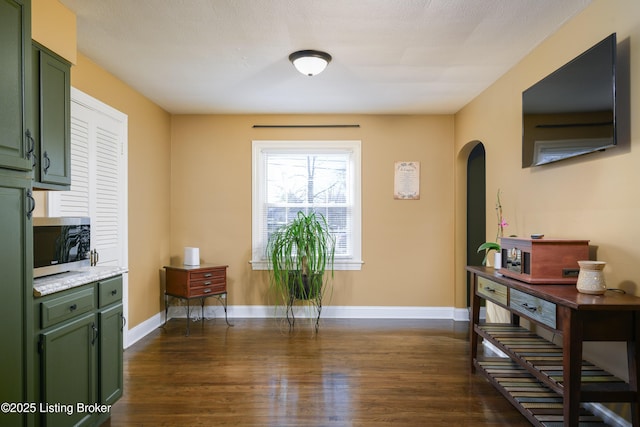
208	275
113	292
73	307
206	291
531	308
207	283
488	289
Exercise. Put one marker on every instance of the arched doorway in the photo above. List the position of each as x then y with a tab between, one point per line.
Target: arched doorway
476	208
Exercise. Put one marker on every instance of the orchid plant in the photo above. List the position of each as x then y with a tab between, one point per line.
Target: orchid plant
494	246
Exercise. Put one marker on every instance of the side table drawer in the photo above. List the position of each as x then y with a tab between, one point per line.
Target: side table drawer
210	274
208	290
492	291
533	308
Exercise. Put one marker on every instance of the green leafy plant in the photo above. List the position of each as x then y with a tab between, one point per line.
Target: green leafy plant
488	247
299	253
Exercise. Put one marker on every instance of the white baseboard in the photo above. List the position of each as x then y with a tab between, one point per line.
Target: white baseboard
329	312
143	329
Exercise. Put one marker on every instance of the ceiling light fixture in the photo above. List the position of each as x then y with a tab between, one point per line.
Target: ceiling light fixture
310	62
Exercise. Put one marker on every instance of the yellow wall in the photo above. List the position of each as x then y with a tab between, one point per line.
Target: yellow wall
586	198
407	245
54	26
594	197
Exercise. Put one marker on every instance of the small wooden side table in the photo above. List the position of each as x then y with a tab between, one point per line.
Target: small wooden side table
189	282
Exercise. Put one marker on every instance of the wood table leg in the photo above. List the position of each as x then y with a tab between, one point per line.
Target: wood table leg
633	350
475	317
572	364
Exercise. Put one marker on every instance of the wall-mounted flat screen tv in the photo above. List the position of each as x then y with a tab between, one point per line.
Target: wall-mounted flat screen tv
572	111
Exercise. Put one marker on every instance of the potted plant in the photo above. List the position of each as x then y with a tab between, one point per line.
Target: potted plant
299	253
488	247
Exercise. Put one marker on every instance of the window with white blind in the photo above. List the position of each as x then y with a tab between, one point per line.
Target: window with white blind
320	176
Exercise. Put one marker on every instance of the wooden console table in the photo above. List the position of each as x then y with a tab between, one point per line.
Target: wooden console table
196	282
546	382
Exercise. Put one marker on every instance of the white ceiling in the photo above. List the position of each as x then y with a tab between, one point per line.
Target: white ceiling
389	56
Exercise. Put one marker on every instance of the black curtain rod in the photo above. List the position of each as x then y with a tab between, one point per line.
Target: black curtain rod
304	126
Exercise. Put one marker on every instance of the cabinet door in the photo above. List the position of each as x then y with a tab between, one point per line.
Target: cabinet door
15	33
68	364
110	375
52	101
16	266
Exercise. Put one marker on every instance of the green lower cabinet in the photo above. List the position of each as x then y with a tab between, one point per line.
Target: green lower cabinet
79	335
69	372
111	327
16	266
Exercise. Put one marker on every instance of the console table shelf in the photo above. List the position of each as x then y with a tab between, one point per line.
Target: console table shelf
558	370
543	360
538	403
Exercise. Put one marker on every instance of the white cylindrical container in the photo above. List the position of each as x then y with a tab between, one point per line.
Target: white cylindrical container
497	260
591	278
191	256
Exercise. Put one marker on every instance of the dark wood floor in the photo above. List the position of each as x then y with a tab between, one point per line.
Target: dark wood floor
353	373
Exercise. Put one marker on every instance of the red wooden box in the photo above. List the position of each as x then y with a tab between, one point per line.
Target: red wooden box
542	261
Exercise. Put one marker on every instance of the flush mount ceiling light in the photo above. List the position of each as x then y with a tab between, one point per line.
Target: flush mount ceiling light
310	62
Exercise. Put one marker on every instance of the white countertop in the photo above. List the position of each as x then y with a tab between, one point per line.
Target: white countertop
59	282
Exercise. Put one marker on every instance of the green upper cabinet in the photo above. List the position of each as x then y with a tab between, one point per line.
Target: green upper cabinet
51	118
15	45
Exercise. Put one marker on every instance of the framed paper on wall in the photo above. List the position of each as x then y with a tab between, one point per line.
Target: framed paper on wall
406	183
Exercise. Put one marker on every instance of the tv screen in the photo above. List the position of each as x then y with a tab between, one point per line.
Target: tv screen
571	112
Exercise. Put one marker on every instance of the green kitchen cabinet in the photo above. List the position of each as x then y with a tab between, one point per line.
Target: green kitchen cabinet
51	119
79	339
111	326
15	33
16	266
69	371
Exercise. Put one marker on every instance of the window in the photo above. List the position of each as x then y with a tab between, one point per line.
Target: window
320	176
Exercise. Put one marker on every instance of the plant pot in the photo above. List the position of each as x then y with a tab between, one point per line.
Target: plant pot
497	260
303	286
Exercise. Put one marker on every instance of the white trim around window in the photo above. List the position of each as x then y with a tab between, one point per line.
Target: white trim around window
349	254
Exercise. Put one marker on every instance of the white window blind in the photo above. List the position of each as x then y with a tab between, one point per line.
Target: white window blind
320	176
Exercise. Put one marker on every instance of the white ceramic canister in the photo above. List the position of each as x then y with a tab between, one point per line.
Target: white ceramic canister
497	260
591	278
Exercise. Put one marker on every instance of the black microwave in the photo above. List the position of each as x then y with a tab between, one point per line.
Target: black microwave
60	244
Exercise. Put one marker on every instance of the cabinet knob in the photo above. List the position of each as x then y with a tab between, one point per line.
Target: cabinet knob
73	307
